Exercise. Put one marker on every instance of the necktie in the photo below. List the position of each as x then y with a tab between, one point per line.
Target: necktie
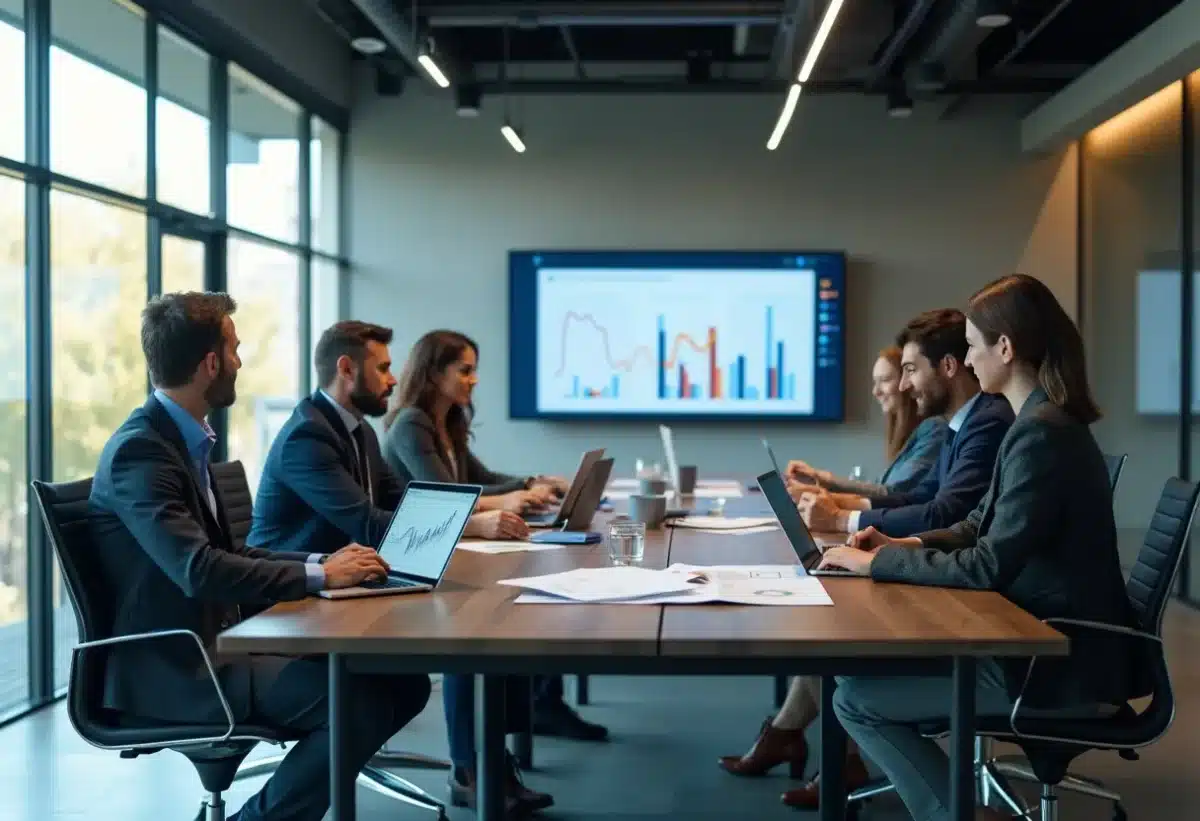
364	472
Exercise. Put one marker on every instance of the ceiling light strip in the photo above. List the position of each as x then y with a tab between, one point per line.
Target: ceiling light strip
806	70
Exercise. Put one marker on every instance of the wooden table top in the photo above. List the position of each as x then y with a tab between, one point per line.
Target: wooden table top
469	615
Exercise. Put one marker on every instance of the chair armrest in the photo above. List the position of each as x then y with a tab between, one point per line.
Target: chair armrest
212	674
1086	624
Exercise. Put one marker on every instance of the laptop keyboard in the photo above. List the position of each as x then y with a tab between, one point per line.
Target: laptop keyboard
389	582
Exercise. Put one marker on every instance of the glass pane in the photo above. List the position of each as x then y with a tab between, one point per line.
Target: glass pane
182	264
183	125
97	290
326	186
1192	584
14	506
97	94
265	281
1131	319
324	295
12	80
264	158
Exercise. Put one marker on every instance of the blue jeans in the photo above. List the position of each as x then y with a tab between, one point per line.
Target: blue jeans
458	698
882	714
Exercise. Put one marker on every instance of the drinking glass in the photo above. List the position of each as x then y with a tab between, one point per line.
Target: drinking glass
626	542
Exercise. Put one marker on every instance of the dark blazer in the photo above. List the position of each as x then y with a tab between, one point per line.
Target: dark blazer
1044	537
964	467
309	496
411	445
173	565
915	461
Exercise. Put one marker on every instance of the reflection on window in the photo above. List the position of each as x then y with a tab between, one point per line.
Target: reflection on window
182	264
98	288
324	293
265	282
12	89
325	176
182	123
14	632
97	94
263	176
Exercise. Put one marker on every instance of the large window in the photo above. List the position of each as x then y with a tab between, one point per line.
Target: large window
264	158
265	281
183	128
12	80
325	184
14	632
97	94
182	264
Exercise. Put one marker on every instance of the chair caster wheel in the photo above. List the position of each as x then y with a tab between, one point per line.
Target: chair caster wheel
1119	813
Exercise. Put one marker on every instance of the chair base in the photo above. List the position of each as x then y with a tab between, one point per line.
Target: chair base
213	808
373	777
1016	767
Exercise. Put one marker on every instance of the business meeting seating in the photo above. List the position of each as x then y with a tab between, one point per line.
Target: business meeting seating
215	750
234	489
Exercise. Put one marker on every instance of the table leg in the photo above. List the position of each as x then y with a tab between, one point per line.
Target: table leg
581	689
962	740
341	779
523	738
490	750
833	757
781	689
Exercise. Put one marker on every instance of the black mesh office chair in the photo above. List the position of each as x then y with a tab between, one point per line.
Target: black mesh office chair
215	750
231	483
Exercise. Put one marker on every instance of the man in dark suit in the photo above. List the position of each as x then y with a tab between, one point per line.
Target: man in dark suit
325	482
933	364
164	542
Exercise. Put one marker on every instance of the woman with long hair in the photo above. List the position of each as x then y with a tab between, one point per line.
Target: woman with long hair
1044	537
912	445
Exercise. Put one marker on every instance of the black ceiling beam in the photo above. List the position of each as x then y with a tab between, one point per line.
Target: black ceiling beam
658	85
898	42
573	50
781	63
550	15
398	33
1023	41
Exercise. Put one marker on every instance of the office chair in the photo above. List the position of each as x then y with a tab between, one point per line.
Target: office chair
215	750
1051	744
230	481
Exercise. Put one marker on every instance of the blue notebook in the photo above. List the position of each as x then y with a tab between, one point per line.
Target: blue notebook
565	537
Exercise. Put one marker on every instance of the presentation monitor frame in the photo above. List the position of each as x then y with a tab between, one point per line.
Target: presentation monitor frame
523	300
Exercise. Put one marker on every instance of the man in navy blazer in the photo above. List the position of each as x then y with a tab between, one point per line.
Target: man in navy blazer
167	556
934	351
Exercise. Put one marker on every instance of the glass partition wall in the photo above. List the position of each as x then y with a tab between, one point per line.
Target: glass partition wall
136	160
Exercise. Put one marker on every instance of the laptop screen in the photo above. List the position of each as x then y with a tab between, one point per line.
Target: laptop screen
771	453
426	527
789	517
582	475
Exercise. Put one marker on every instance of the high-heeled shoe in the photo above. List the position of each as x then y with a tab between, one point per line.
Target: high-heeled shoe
808	797
774	746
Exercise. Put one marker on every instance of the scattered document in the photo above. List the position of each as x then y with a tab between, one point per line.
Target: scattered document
723	523
605	584
506	547
744	531
770	585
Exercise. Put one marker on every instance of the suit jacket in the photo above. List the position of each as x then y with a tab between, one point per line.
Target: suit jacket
411	446
310	496
964	468
1045	538
912	465
171	564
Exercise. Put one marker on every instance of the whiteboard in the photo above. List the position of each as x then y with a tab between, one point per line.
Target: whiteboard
1159	333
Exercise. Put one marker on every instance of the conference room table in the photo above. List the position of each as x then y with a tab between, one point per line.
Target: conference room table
470	624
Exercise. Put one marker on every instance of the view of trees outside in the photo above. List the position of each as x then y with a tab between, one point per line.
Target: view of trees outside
99	263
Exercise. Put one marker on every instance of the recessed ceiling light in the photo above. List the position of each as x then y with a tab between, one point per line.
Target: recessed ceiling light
993	14
368	45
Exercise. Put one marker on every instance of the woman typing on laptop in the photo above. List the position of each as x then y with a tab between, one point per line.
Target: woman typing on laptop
1043	537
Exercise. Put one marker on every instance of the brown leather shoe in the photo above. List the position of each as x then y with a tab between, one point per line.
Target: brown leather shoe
772	748
808	797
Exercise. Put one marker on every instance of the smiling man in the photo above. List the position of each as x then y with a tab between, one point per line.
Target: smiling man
934	370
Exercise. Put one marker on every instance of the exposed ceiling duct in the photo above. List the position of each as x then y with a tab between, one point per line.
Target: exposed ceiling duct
894	49
409	43
626	14
950	52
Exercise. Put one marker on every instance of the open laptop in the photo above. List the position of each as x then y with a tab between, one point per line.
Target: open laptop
581	515
807	548
804	480
580	481
420	539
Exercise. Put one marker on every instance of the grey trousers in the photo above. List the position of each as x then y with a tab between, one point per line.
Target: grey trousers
882	715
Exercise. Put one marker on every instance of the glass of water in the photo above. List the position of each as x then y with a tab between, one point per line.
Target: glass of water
626	542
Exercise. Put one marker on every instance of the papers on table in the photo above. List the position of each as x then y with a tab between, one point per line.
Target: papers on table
605	584
506	547
705	489
774	585
740	523
746	531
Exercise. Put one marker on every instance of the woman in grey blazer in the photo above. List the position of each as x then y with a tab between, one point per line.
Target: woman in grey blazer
1043	536
912	451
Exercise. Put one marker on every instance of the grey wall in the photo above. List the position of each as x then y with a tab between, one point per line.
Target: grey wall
927	210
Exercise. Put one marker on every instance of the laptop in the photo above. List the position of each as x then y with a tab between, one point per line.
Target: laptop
804	480
588	501
420	539
808	550
582	476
